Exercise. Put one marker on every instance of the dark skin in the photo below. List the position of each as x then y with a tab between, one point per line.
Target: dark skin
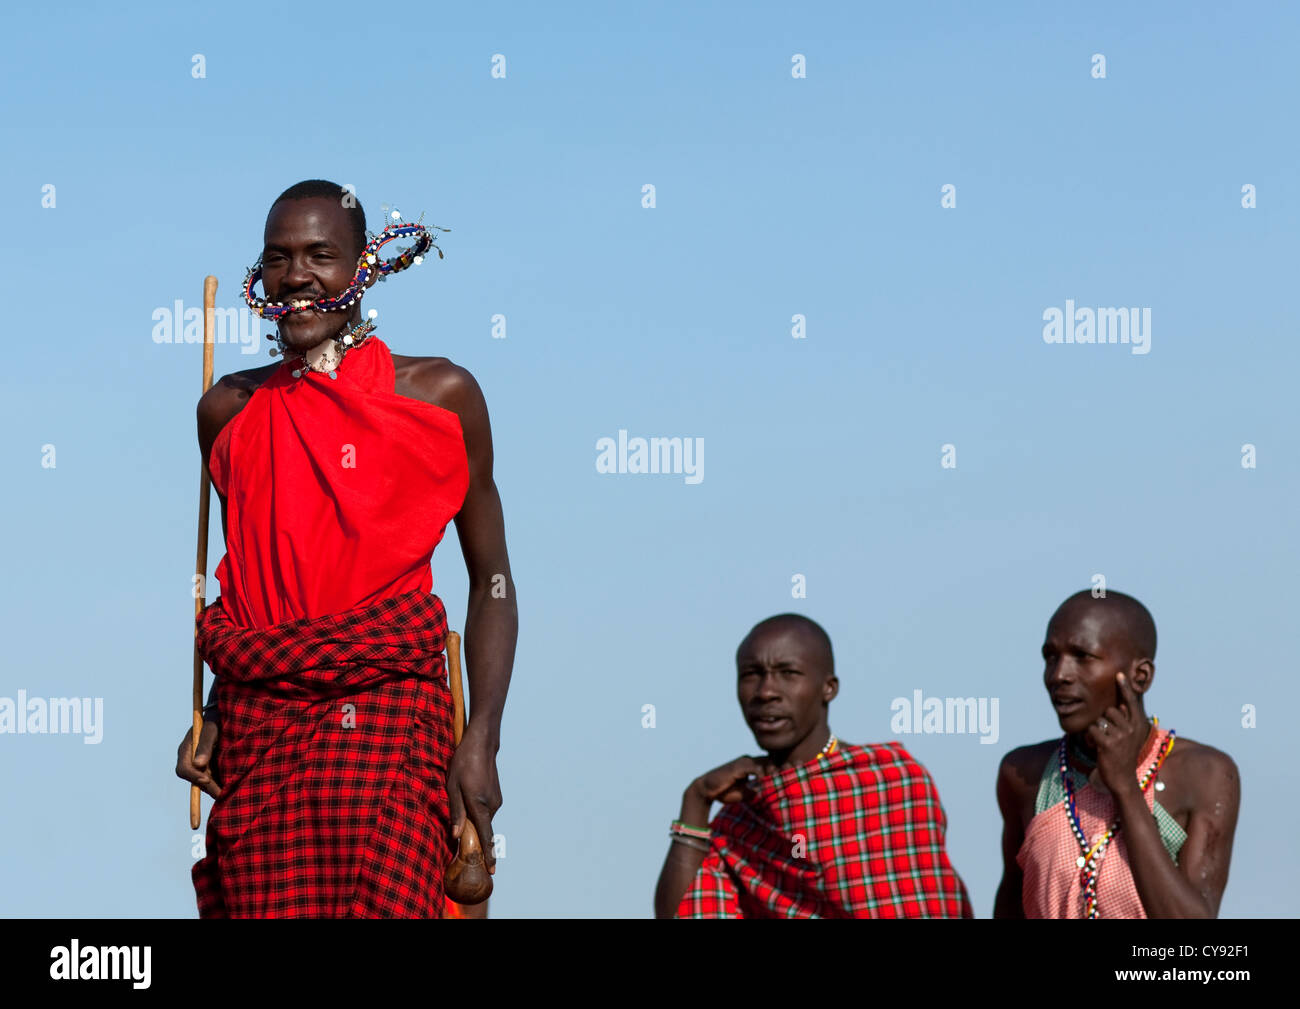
310	252
781	670
1097	676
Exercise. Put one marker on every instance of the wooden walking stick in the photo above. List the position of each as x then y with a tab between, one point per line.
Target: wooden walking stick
201	563
467	878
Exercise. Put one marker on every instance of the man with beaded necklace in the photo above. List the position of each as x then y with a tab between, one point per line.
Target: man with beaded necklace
816	828
327	737
1119	818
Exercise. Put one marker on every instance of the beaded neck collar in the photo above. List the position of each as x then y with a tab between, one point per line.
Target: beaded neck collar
329	359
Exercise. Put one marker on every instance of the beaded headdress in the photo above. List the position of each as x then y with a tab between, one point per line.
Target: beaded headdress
368	265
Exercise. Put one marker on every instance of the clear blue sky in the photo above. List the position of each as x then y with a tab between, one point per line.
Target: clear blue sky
775	197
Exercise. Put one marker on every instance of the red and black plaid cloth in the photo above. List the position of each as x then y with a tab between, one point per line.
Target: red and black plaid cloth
332	757
857	834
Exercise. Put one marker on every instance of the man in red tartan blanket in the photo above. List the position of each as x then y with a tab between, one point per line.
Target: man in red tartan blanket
817	828
327	741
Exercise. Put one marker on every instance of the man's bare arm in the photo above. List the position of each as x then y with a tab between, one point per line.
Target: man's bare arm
1194	887
492	614
683	860
215	409
728	783
1009	902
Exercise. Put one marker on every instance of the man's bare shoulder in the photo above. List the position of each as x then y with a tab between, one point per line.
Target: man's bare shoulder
437	380
227	397
1019	775
238	386
1201	764
1022	768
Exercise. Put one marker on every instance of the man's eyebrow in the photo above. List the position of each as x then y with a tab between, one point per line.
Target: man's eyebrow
316	246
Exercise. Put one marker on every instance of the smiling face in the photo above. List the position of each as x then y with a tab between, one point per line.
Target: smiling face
1088	642
785	680
310	252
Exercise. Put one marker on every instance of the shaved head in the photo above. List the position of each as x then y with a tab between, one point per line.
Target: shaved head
350	205
1126	620
816	640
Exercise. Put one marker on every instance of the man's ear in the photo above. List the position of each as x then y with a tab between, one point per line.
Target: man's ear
1140	675
830	689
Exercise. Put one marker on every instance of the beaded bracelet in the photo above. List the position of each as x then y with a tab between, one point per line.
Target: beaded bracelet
690	842
703	833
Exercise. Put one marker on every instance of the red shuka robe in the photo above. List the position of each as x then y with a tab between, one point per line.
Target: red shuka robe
858	833
337	491
327	647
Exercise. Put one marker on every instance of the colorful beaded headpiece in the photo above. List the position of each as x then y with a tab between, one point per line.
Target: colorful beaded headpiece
368	264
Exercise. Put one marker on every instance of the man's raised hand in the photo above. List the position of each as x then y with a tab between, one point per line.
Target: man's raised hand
1119	736
728	783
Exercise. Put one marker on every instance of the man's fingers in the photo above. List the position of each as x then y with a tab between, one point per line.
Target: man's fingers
207	743
196	773
483	824
1127	693
722	780
196	768
183	754
728	783
742	769
457	809
185	767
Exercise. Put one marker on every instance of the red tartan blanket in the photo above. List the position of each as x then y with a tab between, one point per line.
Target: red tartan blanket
332	757
857	834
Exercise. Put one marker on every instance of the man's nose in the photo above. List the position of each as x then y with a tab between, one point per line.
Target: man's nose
1057	671
767	686
297	275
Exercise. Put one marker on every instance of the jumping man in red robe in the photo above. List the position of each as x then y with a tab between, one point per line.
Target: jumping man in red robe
327	740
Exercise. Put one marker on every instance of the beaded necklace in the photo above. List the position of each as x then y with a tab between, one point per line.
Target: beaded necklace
1089	862
829	748
330	360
